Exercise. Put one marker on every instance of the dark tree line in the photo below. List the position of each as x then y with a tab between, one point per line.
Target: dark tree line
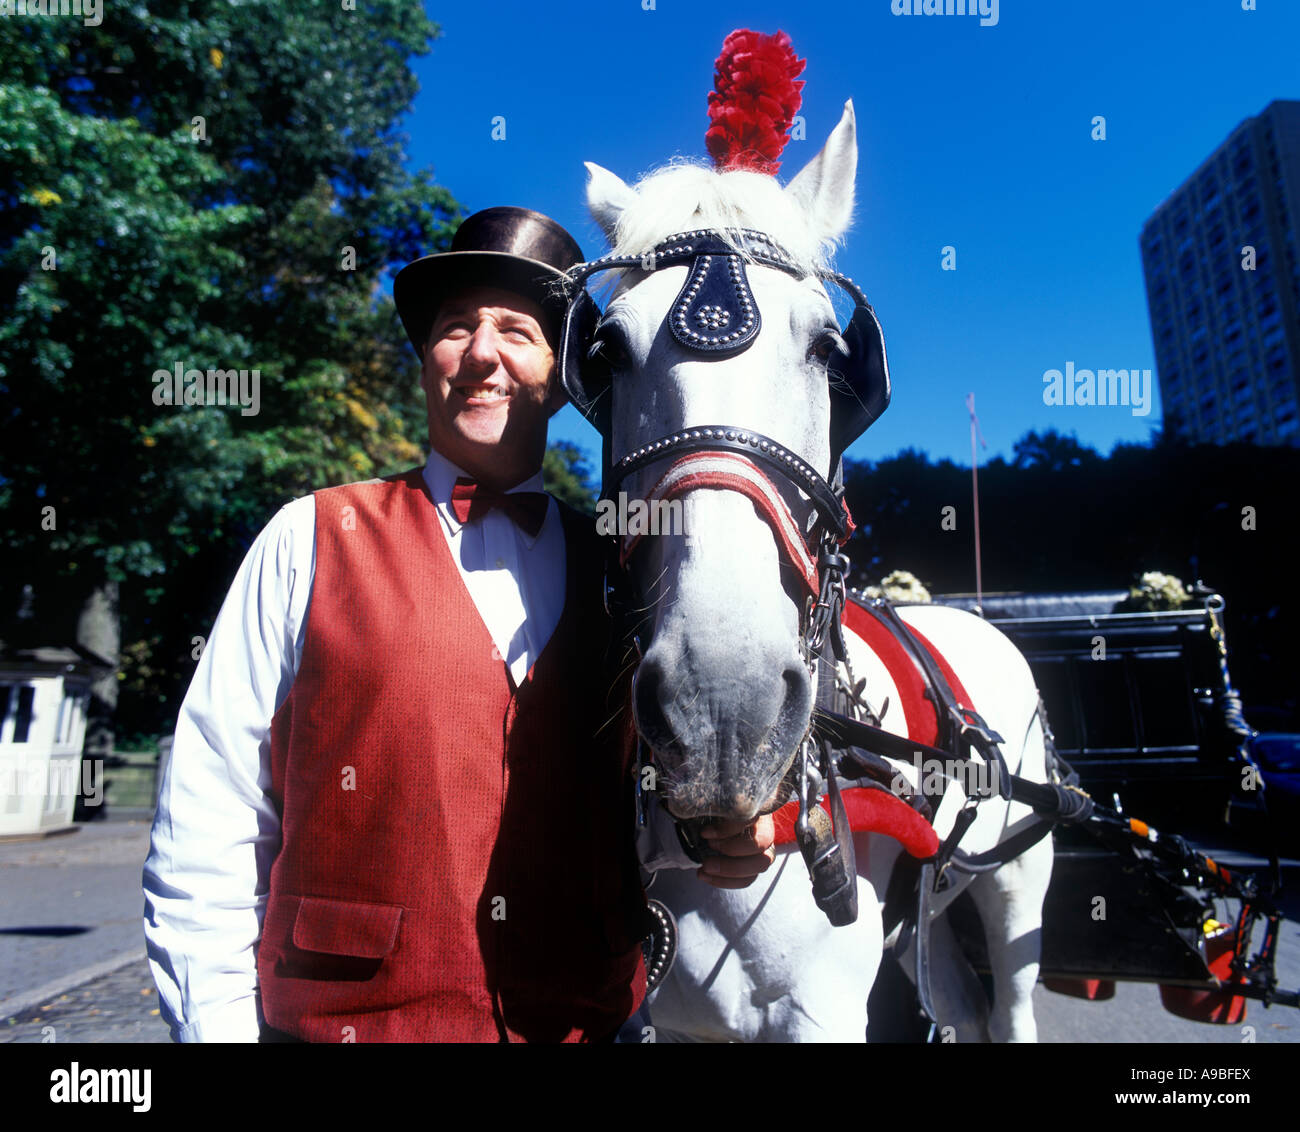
1060	516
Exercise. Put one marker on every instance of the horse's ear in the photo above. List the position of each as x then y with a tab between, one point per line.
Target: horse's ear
607	196
823	189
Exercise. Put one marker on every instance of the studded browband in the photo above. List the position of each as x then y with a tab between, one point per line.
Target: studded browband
685	246
708	438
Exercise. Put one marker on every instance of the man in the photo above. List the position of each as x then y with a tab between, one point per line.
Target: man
398	806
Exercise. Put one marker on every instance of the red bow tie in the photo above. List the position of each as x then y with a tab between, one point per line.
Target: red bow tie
471	500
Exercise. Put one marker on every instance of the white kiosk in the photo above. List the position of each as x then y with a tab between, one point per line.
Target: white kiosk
44	694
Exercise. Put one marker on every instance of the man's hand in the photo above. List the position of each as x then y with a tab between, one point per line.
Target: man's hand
746	851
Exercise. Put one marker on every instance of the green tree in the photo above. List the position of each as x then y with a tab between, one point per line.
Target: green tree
566	476
219	186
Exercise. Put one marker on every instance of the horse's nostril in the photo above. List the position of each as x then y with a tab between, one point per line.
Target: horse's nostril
646	706
792	719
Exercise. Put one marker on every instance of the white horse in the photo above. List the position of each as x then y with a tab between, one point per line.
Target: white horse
723	695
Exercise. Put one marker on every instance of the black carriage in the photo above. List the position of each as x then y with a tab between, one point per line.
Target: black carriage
1142	709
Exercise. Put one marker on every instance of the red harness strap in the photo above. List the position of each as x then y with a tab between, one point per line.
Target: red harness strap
729	471
958	689
918	712
871	811
876	811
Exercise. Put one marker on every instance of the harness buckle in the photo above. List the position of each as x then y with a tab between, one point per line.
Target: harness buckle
965	818
810	787
973	732
971	723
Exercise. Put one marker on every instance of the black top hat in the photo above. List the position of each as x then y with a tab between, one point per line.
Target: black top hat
516	249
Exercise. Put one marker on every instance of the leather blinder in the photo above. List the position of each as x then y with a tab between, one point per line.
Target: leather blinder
715	315
714	312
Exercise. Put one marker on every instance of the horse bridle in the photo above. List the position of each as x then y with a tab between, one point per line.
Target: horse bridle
714	297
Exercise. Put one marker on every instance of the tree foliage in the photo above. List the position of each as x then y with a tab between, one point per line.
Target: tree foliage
566	476
214	185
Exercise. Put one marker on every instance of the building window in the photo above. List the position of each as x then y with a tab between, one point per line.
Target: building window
22	711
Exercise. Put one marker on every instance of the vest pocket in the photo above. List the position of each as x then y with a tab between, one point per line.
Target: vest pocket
344	940
346	927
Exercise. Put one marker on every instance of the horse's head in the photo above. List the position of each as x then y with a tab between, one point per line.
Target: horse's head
724	695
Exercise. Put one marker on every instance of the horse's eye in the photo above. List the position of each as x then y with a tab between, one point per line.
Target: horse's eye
609	346
827	344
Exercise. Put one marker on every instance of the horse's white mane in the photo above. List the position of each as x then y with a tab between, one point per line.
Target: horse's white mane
687	195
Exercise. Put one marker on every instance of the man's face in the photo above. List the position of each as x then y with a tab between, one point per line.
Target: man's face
487	378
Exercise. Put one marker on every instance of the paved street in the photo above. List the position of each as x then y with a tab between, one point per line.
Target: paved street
68	902
118	1007
70	905
1136	1015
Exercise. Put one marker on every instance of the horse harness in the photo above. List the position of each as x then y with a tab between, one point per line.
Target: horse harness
715	316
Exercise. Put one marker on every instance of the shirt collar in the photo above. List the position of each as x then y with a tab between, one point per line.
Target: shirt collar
440	476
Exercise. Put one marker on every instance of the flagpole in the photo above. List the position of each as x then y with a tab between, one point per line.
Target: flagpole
975	491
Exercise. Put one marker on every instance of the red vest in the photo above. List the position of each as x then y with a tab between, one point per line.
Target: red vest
458	858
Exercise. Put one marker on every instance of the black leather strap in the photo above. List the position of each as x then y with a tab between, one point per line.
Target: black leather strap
659	948
845	732
1058	803
829	852
900	892
1006	851
923	918
958	728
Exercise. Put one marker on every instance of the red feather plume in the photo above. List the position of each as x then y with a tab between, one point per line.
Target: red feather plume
755	100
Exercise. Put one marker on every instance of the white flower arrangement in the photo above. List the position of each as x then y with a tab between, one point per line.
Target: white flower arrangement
901	586
1156	591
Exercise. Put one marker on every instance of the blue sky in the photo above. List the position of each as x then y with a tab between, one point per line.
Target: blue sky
970	136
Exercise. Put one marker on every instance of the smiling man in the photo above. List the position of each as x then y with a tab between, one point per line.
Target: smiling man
399	804
477	407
